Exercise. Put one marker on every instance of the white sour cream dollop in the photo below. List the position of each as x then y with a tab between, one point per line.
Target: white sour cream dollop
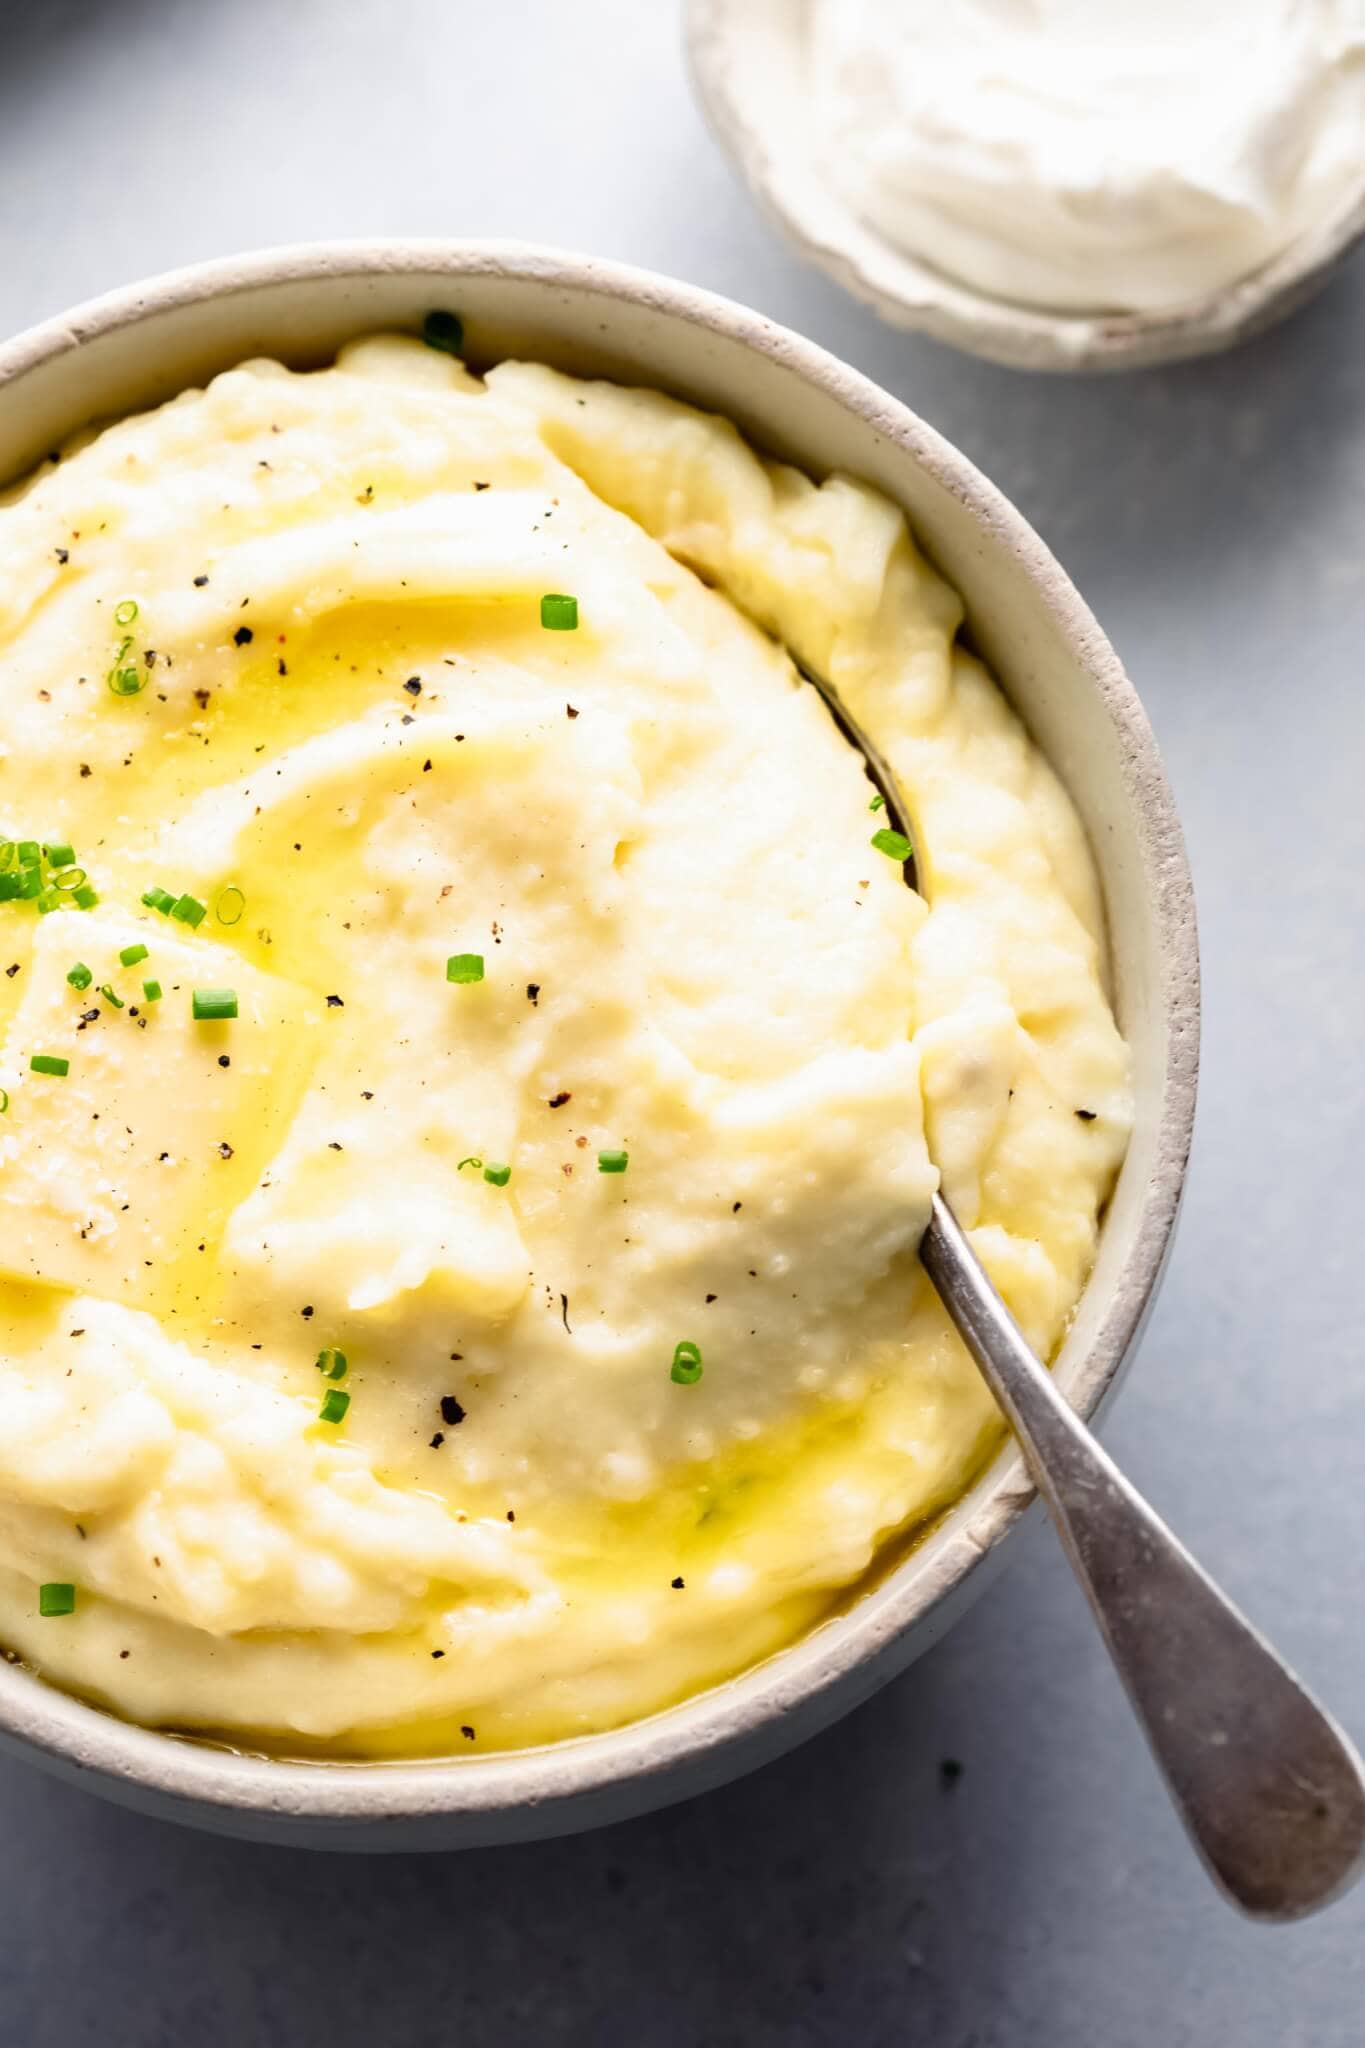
1138	155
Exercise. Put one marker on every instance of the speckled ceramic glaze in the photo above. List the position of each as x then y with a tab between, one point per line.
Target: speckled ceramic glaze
749	62
143	344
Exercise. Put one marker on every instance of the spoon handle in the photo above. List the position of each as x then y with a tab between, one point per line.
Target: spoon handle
1270	1790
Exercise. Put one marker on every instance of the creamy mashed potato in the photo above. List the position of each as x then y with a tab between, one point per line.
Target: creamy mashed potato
348	1378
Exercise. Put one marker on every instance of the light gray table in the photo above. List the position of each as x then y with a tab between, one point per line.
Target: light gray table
1215	517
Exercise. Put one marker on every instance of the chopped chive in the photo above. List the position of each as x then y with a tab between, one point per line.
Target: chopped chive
213	1005
8	854
9	888
558	614
115	1001
335	1402
31	884
497	1176
159	899
48	901
612	1162
61	855
443	331
893	844
332	1363
56	1598
4	1101
189	910
686	1364
230	905
130	955
126	682
30	853
86	897
125	613
470	1160
152	991
80	976
877	802
69	880
464	967
48	1063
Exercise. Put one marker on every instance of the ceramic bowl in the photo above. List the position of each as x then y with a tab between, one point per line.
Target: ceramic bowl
143	344
748	59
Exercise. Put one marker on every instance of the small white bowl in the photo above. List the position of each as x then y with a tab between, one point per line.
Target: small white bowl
144	344
749	61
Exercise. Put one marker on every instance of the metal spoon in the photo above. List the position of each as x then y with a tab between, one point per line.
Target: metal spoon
1271	1792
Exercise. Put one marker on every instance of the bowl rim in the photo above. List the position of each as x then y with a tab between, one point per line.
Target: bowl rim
911	294
715	1734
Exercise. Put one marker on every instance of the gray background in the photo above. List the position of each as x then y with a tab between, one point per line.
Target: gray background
1214	515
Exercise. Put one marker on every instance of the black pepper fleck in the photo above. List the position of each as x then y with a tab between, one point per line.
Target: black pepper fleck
242	636
451	1411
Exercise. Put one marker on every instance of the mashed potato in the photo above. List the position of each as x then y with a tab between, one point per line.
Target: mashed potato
466	1139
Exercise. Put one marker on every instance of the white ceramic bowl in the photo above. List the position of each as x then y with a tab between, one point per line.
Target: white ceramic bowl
749	61
143	344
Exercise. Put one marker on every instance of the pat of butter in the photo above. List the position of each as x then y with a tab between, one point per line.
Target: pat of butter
119	1175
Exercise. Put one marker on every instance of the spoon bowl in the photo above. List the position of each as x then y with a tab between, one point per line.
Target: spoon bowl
1270	1790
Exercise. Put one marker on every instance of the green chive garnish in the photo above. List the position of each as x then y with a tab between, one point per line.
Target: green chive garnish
332	1363
60	856
126	682
69	880
31	884
130	955
152	991
558	614
80	976
30	853
893	844
686	1364
189	910
48	1063
56	1598
444	331
464	967
125	613
115	1001
4	1101
159	899
213	1005
497	1176
48	901
230	905
86	897
335	1402
612	1162
469	1160
876	803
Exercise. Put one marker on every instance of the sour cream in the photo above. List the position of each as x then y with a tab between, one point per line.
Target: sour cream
1136	156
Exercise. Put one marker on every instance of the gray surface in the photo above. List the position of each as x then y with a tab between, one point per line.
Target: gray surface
1215	517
